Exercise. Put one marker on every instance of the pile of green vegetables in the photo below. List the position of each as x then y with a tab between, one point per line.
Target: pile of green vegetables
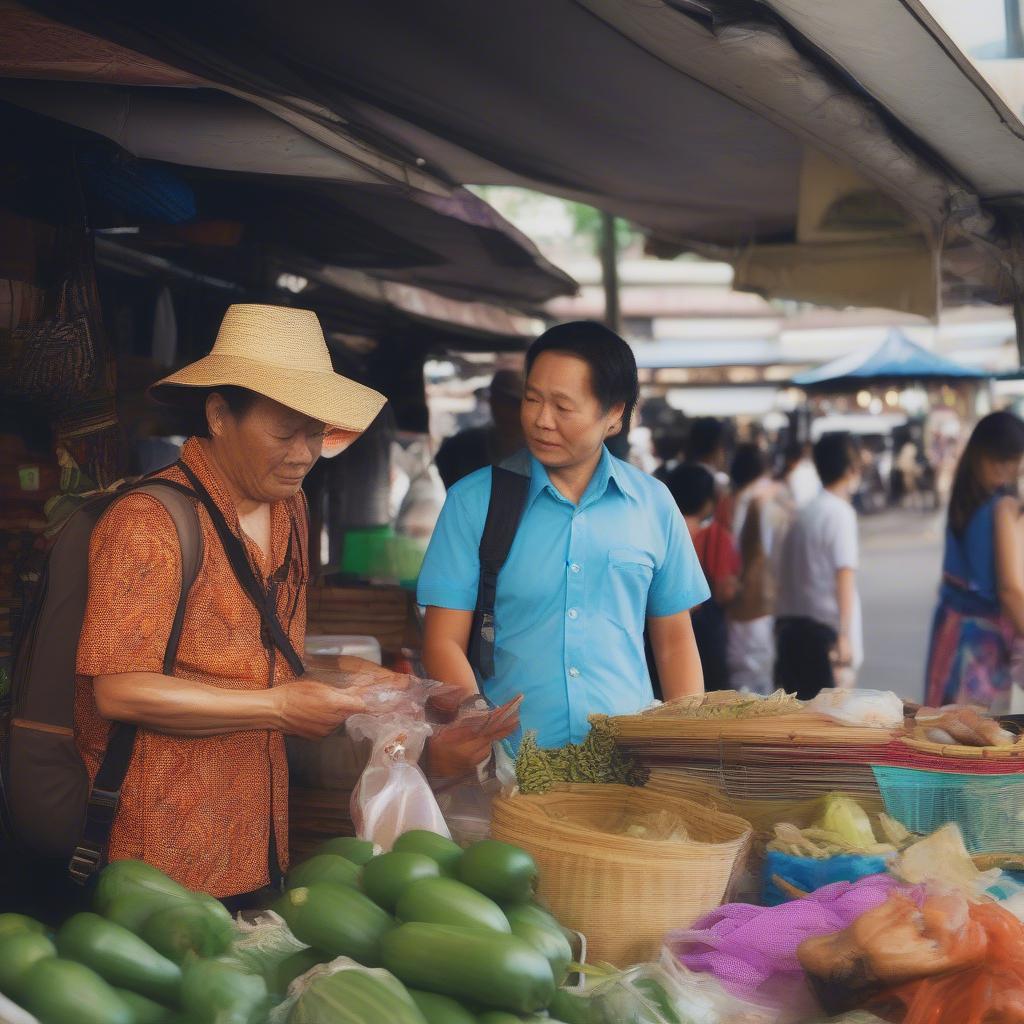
447	936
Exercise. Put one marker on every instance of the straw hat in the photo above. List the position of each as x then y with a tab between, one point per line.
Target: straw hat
279	352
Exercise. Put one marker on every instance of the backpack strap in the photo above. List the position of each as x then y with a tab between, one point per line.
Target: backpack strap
510	484
101	809
261	596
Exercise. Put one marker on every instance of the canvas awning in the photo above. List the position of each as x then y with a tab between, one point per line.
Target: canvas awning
325	199
898	360
707	122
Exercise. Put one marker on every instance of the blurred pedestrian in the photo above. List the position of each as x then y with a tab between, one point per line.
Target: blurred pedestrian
693	489
476	447
818	634
706	446
756	522
799	475
981	598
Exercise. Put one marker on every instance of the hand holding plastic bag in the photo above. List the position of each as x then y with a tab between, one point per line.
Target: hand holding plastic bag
460	746
393	795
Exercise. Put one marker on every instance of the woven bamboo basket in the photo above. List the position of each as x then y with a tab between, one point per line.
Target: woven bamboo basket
621	892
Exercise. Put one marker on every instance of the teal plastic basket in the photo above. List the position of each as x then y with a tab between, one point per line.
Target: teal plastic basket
988	808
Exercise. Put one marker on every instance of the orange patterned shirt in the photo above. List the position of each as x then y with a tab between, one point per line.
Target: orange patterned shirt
200	809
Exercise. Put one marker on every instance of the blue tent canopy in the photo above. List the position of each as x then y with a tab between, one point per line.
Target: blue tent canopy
897	359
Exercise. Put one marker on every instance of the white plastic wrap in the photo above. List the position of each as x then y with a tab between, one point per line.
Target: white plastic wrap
393	795
873	709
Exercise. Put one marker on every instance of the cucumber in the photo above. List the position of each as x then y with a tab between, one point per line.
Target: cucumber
119	956
145	1011
214	908
354	996
191	929
133	877
62	992
386	877
19	952
548	941
359	851
10	923
498	971
293	967
570	1008
325	867
440	1009
446	901
337	920
213	992
504	872
533	913
430	844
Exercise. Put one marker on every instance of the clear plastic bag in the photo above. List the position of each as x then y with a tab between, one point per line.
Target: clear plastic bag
667	993
874	709
264	942
393	795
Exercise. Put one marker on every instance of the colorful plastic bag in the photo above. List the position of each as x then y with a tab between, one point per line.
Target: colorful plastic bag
809	874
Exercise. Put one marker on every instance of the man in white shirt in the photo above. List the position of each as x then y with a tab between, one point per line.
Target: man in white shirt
819	639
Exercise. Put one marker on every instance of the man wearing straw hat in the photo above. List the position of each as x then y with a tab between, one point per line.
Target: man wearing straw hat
205	797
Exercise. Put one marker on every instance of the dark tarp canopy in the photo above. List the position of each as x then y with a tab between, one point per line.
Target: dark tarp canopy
898	360
771	134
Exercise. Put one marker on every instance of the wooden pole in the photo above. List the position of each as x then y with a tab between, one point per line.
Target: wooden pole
610	273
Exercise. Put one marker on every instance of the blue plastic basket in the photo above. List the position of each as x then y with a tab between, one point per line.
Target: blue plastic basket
988	808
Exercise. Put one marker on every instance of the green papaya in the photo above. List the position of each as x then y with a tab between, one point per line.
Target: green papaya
359	851
190	929
337	920
19	952
133	877
430	844
325	867
145	1011
20	923
438	1009
119	956
213	992
385	878
57	991
447	901
504	872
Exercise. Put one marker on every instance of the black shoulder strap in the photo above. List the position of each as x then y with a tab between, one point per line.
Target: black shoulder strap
105	796
261	597
510	484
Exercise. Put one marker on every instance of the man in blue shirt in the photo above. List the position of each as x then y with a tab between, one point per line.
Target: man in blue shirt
601	550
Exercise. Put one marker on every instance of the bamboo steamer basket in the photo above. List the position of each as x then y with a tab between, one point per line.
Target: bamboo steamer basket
621	892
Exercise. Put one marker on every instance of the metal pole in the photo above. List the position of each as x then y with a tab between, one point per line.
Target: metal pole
610	273
1014	29
1018	321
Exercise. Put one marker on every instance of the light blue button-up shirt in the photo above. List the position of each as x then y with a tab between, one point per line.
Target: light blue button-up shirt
573	596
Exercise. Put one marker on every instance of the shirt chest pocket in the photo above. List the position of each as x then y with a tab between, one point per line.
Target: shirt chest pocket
630	572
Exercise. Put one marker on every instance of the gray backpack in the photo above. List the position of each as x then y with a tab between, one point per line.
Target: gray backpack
49	808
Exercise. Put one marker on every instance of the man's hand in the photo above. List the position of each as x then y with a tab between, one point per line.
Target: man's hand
455	750
313	710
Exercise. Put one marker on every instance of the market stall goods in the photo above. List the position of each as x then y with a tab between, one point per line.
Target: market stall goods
622	892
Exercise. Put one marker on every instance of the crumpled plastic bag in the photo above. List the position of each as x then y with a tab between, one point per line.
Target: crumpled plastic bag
289	1009
873	709
942	859
666	993
930	958
393	795
264	942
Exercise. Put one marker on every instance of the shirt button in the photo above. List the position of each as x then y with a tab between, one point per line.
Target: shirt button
575	567
573	614
574	672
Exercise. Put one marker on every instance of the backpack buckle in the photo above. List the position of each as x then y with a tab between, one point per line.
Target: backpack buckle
85	862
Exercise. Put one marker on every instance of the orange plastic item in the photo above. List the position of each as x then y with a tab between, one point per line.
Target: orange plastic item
990	992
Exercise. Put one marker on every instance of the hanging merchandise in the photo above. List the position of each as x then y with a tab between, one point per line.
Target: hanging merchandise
393	795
